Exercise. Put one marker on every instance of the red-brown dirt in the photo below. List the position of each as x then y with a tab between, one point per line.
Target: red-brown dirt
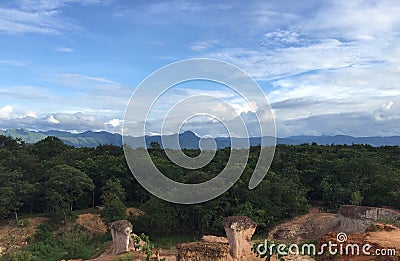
379	236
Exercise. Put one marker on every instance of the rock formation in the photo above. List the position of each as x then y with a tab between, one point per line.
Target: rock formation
121	234
355	219
236	246
313	225
214	239
239	230
203	250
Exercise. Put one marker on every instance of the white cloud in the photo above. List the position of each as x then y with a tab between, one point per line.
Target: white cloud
81	79
203	45
16	21
13	63
40	16
284	36
65	50
317	61
355	124
269	64
388	105
388	111
78	93
52	120
56	121
26	93
173	6
359	19
6	112
31	114
48	5
112	123
337	61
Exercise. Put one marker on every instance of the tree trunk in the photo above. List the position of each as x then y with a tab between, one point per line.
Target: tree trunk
65	216
16	216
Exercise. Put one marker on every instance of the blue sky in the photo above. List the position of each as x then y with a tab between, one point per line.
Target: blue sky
327	67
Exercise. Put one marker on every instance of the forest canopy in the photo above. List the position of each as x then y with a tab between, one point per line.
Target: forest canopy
49	176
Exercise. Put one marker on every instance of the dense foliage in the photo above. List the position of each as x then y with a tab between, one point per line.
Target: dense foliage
51	176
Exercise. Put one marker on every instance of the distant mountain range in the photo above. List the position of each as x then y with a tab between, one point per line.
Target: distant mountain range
188	139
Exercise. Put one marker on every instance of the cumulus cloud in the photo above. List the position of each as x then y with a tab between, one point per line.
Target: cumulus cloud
52	120
324	66
281	38
6	112
56	121
354	124
388	111
113	123
31	114
328	67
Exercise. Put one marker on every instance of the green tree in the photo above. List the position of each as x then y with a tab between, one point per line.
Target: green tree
49	148
112	196
112	190
13	191
114	210
65	185
160	217
155	145
331	191
356	198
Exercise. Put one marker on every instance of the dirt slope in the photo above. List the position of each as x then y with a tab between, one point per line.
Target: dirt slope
92	222
310	226
15	236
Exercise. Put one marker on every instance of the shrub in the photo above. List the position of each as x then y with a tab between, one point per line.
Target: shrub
20	255
114	210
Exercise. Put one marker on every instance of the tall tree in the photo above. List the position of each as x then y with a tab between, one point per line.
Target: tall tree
13	191
65	185
112	190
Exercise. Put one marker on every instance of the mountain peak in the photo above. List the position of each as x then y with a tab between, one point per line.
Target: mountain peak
188	133
187	139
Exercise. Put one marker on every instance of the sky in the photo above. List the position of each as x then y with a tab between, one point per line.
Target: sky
326	67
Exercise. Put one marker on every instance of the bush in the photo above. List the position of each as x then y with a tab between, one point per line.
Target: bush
20	255
114	210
